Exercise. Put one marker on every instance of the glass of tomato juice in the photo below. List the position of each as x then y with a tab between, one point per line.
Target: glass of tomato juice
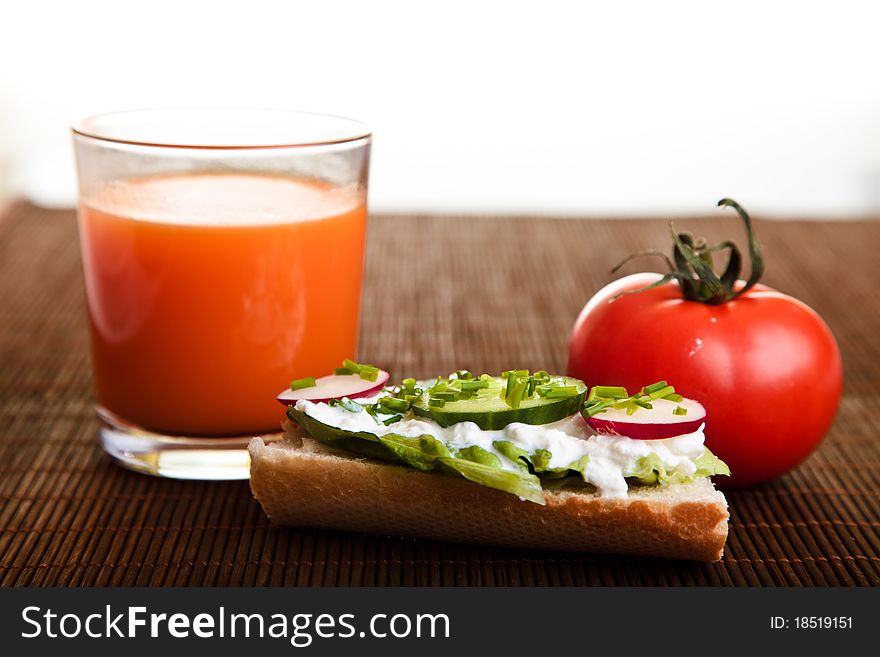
223	257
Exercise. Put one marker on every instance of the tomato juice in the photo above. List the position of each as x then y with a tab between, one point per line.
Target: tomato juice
209	292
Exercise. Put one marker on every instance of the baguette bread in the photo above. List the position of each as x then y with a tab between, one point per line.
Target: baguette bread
302	482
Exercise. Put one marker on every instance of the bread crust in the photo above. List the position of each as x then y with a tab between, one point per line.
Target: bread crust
302	483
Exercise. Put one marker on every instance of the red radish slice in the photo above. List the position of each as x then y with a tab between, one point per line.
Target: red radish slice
335	386
650	424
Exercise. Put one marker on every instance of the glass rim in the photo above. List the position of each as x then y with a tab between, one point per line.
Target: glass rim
86	127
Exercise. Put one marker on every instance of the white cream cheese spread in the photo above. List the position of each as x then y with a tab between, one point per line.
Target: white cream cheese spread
610	458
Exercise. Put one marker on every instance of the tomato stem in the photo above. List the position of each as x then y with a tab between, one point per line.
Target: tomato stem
692	266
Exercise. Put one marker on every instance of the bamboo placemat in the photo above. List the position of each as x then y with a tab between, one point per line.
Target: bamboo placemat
441	293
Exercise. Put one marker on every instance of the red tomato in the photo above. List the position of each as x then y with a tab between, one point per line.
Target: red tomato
765	366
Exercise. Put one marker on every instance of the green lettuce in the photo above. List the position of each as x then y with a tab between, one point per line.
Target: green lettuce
426	453
474	463
708	464
651	470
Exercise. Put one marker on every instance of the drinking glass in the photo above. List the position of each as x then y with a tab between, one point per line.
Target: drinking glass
223	257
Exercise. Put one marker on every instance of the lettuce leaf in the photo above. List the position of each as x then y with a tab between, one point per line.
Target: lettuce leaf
474	463
539	461
708	464
426	453
650	470
477	454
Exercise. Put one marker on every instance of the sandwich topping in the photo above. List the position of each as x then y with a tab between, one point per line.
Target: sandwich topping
521	433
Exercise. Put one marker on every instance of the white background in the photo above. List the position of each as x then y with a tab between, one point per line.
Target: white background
562	108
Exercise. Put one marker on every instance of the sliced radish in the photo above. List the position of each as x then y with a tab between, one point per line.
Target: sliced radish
335	386
650	424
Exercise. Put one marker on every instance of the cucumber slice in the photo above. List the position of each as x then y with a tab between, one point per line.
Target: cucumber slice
489	411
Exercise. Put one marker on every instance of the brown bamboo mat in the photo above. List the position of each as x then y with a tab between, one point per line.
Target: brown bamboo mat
441	293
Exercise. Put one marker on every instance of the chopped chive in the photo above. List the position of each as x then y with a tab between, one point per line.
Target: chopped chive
631	409
674	398
680	410
542	376
467	394
351	365
623	403
561	392
511	383
299	384
593	394
474	385
392	419
350	406
447	395
662	392
530	389
342	370
411	398
514	399
517	373
643	403
369	373
612	392
409	384
598	407
393	404
464	375
435	402
654	387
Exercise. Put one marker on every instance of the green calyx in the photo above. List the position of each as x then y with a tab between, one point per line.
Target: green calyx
692	264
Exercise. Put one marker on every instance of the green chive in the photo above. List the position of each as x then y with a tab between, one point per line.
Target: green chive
511	383
598	407
392	419
631	409
654	387
299	384
611	392
350	406
392	404
474	385
542	376
368	372
642	403
680	410
409	384
351	366
514	399
435	402
662	392
342	371
411	398
674	398
562	392
530	389
446	395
